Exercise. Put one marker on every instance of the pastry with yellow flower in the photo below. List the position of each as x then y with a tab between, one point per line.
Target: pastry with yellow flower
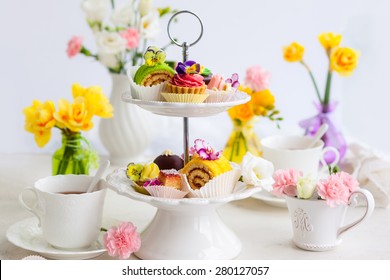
149	78
140	174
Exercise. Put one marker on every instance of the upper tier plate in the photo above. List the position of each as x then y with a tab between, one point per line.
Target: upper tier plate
186	109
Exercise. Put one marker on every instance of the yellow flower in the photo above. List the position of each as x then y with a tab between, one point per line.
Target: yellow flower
242	112
294	52
329	40
39	121
75	116
95	100
344	61
262	101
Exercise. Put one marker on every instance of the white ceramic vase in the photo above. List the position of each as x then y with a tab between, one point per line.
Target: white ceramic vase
128	134
317	226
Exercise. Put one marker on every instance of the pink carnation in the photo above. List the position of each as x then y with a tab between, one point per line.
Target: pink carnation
285	182
131	36
337	188
122	240
257	78
74	46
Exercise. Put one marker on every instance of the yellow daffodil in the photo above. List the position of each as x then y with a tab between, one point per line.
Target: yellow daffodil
95	100
294	52
329	40
75	116
262	101
40	121
344	61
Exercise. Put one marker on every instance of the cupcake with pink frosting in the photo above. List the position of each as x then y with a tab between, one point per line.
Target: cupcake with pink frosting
187	85
221	89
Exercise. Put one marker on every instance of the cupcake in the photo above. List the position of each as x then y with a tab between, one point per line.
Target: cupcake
209	173
187	85
149	79
221	90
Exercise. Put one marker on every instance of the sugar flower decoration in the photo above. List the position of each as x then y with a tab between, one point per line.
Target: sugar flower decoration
122	241
205	151
154	56
188	67
233	81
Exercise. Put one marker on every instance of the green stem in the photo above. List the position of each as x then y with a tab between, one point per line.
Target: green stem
327	87
113	4
312	79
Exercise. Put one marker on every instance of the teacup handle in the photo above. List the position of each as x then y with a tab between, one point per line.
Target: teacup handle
323	153
370	204
34	208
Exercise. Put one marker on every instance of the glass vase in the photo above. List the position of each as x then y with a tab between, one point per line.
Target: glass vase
242	139
333	136
75	155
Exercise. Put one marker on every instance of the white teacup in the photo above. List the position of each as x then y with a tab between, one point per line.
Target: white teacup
291	152
69	217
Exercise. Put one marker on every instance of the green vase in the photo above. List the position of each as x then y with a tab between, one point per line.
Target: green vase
75	155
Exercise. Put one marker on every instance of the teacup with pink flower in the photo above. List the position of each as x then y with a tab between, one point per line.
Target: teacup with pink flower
318	206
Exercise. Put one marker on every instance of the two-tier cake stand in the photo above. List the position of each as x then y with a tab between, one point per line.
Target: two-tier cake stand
188	228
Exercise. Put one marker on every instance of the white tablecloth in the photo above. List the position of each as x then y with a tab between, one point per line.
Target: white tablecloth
265	231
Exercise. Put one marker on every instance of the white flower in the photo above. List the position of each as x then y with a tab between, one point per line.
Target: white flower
145	7
257	171
150	26
95	10
123	16
110	43
306	187
109	60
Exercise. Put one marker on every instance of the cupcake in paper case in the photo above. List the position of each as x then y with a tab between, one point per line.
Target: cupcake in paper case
168	184
187	82
209	173
139	173
149	79
221	90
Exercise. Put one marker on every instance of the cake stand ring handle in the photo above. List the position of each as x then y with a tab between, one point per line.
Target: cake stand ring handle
184	45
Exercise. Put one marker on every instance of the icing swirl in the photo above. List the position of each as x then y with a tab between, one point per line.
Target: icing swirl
187	80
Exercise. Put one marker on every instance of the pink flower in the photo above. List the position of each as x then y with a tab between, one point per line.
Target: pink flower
257	78
337	188
285	182
122	240
74	46
205	151
132	37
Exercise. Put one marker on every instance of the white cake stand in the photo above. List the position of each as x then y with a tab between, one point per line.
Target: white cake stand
188	228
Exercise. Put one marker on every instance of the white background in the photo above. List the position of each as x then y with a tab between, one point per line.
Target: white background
238	34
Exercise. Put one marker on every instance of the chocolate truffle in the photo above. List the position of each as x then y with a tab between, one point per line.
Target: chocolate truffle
167	160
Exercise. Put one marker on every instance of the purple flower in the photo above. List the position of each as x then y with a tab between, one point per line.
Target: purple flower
188	67
153	182
204	150
233	81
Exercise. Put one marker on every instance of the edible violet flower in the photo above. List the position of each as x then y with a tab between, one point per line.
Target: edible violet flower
153	182
205	151
233	81
188	67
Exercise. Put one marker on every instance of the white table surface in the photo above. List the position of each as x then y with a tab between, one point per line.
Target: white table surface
265	231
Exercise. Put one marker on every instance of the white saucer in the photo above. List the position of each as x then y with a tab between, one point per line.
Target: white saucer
27	235
270	199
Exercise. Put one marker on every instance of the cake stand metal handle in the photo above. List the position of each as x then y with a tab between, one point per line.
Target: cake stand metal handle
185	47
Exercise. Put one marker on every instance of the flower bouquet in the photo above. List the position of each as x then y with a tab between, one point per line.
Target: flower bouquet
342	60
121	31
262	104
76	154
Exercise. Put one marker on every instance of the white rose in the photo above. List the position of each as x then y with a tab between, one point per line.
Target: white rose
145	7
95	10
257	171
109	60
110	42
150	26
123	16
306	187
